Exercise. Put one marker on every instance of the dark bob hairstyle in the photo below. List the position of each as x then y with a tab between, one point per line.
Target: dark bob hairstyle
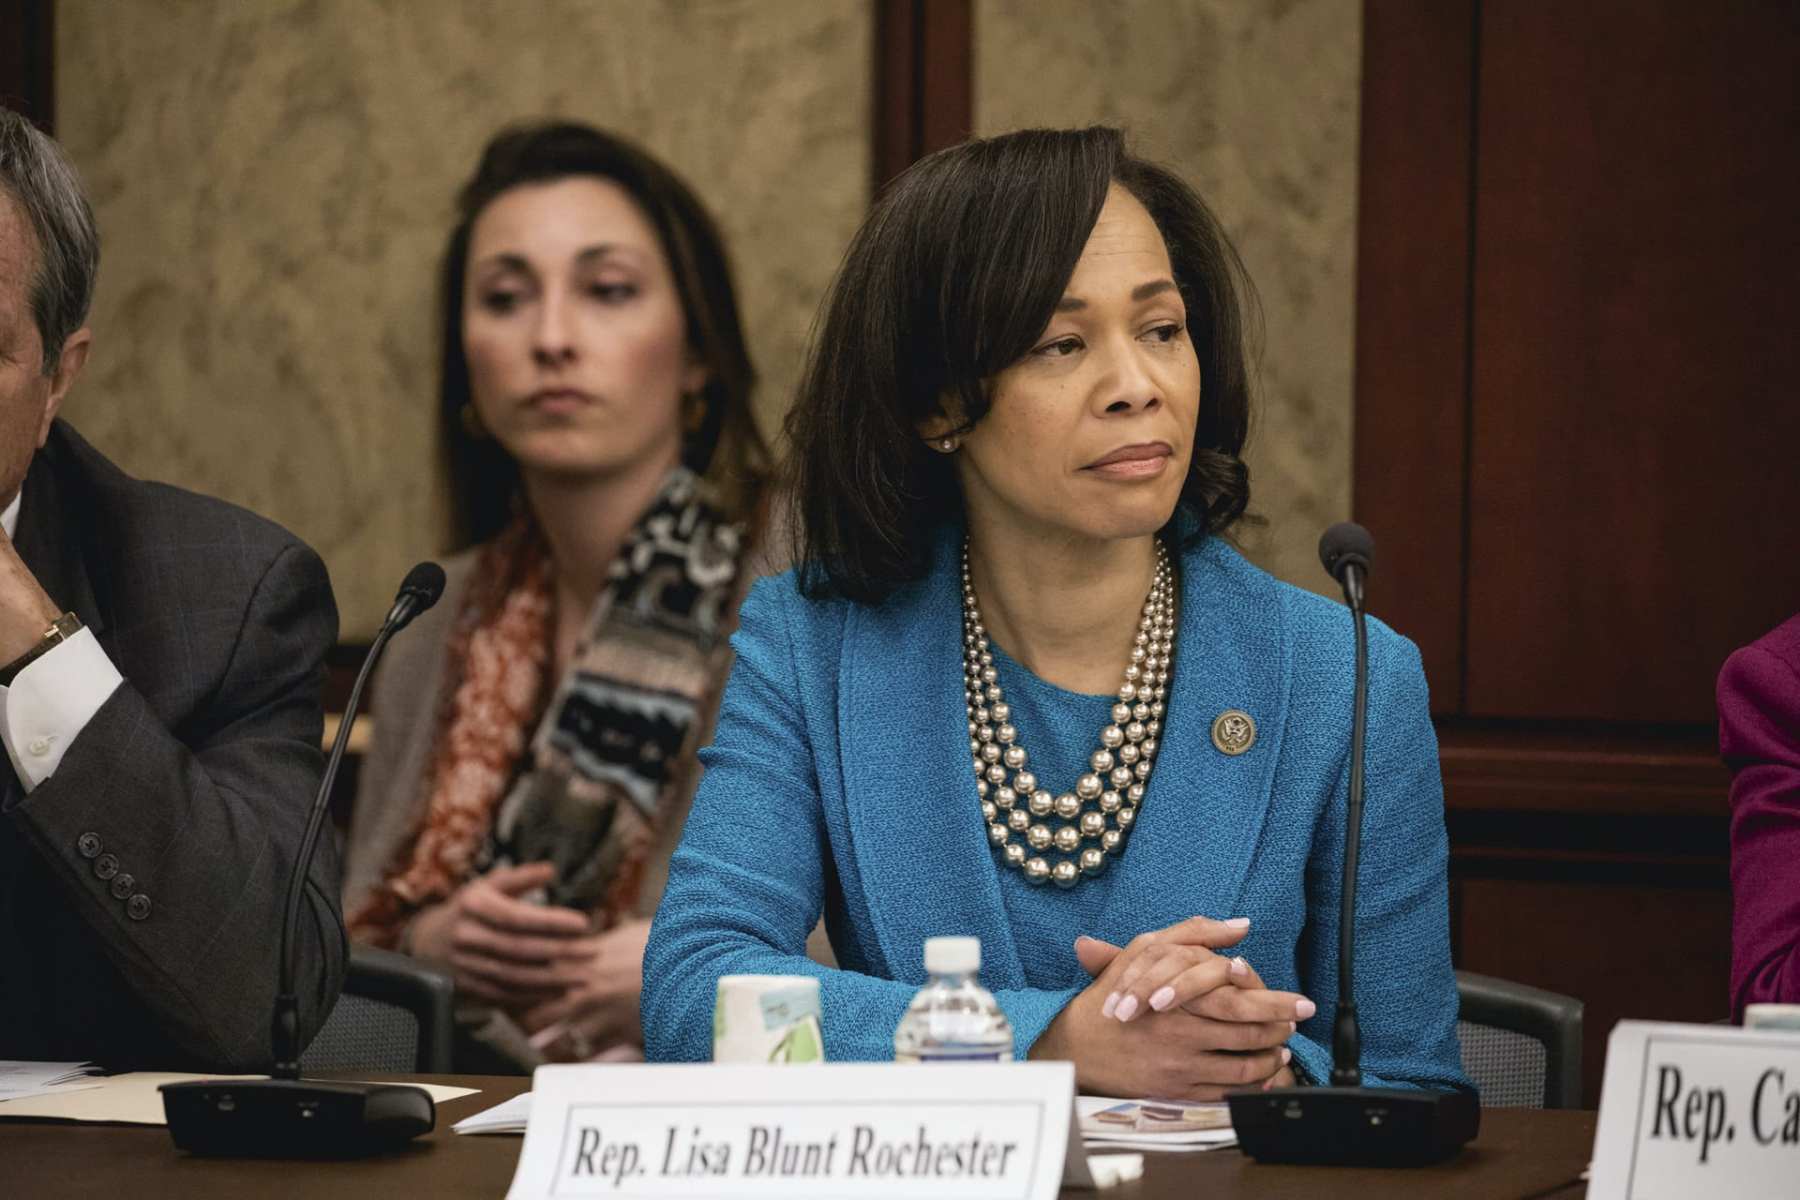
951	279
723	445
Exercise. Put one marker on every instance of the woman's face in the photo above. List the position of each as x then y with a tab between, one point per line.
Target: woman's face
1089	434
574	331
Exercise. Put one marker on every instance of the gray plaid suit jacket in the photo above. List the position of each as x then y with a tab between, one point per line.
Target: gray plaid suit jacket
141	885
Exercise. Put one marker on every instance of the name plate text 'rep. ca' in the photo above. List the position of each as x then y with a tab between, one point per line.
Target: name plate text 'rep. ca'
1698	1110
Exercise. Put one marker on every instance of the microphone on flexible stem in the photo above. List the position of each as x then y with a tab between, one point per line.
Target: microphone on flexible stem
1348	1124
1347	551
285	1116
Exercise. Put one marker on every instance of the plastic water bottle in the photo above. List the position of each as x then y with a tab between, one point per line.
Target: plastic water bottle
953	1018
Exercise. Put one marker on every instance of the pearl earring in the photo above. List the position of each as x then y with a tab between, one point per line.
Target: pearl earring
947	445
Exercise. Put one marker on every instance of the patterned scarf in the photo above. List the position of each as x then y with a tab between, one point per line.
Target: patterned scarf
590	791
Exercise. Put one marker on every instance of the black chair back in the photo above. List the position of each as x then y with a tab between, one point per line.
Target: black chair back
1521	1045
394	1017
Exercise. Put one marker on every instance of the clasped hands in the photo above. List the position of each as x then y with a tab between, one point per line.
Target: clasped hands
1170	1016
573	990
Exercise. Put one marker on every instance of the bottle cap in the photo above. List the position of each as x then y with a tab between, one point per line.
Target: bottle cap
1768	1016
952	955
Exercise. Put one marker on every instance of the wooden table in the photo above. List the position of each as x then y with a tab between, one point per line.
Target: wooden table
1519	1154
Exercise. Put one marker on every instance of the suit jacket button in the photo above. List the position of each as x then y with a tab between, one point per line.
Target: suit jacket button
88	845
122	884
106	866
138	907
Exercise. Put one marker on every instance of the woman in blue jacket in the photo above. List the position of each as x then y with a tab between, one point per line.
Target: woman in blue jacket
1020	687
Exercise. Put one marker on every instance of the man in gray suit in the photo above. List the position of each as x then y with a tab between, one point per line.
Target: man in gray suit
161	656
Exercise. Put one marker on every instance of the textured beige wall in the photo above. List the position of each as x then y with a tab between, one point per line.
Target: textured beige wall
1255	102
274	179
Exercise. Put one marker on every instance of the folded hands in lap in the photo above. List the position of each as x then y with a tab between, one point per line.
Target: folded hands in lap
601	1008
575	991
1170	1016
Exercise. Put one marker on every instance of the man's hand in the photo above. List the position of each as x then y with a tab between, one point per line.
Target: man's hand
26	612
504	950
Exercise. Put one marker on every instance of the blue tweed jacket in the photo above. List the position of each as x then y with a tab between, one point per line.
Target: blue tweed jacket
838	782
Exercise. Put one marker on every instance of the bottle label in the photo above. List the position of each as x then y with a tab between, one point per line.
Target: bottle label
968	1054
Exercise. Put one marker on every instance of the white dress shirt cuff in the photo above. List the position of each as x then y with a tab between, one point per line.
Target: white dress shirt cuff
51	701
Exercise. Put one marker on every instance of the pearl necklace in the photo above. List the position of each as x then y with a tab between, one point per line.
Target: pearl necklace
1101	809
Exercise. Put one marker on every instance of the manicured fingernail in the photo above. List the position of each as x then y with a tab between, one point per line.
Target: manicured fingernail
1293	1028
1164	997
1305	1009
1239	923
1127	1008
1112	1002
1239	966
1286	1056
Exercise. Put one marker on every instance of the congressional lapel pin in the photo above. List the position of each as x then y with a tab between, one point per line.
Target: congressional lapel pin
1233	732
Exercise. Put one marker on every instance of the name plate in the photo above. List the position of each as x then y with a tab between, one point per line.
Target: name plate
981	1132
1698	1110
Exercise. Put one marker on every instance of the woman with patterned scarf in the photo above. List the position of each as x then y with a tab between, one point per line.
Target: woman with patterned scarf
534	749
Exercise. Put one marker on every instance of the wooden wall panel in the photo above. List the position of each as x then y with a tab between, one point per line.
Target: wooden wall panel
1622	773
1412	321
1576	442
28	59
1635	450
923	87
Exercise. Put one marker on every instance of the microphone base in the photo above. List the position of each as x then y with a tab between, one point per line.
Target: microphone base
1354	1126
294	1118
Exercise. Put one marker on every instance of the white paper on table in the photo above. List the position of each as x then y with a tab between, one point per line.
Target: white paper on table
509	1116
53	1090
1163	1148
132	1098
15	1075
1097	1134
19	1080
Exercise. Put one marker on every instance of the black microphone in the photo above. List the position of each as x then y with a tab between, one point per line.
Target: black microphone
418	592
1348	1124
283	1116
1347	552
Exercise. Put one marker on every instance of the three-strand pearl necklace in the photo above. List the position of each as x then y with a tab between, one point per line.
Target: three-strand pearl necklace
1064	837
